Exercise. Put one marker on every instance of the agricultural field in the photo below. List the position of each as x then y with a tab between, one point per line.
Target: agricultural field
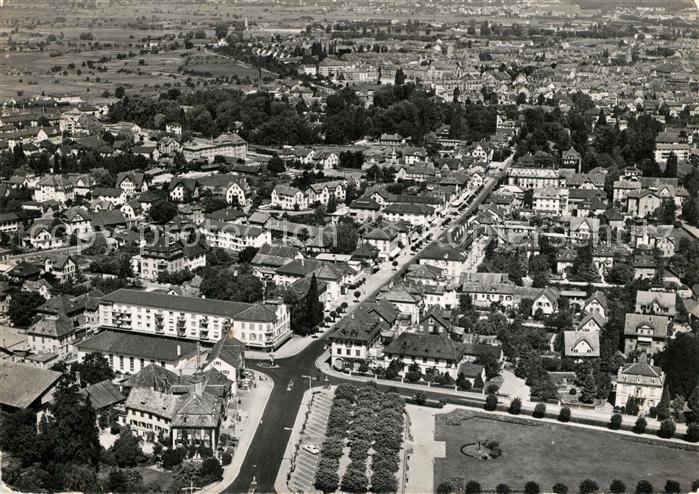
549	453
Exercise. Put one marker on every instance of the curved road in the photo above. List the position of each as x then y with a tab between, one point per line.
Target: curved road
265	454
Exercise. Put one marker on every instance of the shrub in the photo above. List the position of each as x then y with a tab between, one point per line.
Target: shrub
354	479
226	459
695	485
531	487
451	485
413	376
617	487
539	410
615	422
588	486
692	433
515	406
327	479
172	458
672	486
473	487
503	489
420	398
572	392
491	402
211	470
667	429
383	481
640	425
564	414
560	488
492	388
644	487
653	412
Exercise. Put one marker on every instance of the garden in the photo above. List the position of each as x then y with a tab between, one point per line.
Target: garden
544	457
363	439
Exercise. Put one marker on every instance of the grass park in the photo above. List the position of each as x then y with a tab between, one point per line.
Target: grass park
548	453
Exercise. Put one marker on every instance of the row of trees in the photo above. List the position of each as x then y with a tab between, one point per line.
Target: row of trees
459	485
364	418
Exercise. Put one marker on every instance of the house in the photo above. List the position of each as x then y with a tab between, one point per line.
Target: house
645	333
183	189
551	201
271	257
62	267
77	220
181	318
133	183
357	337
581	344
486	289
235	237
364	210
546	301
596	304
54	188
166	256
103	395
446	257
49	334
289	198
642	203
24	387
584	229
239	192
427	351
321	192
656	302
227	145
591	323
640	381
9	223
416	214
571	159
386	240
404	300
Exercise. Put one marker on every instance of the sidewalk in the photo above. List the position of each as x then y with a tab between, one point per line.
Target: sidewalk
253	405
527	406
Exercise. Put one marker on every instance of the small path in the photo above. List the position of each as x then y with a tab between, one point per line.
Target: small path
422	449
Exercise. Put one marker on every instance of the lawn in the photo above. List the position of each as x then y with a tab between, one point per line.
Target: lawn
549	453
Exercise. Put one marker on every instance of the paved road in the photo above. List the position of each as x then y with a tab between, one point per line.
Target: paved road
266	452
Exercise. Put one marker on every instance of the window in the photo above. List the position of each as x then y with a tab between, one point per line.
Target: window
131	364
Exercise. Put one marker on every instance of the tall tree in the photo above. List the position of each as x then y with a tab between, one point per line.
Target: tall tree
399	79
314	307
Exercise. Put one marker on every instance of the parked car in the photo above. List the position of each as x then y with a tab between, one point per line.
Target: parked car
311	448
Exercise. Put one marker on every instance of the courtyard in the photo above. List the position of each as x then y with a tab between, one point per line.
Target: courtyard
548	453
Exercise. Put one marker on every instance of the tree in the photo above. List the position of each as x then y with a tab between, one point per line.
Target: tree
671	166
276	165
531	487
692	435
22	307
589	389
640	425
211	470
515	406
644	487
615	422
314	307
632	407
564	414
666	212
346	238
560	488
491	402
588	486
119	92
680	361
246	255
617	487
667	429
93	369
451	485
399	79
326	477
19	437
162	211
473	487
663	408
126	449
172	458
81	478
383	481
672	486
503	489
354	479
420	398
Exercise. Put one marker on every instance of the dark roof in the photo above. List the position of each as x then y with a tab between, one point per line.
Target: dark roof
228	349
146	346
442	252
22	385
103	395
425	345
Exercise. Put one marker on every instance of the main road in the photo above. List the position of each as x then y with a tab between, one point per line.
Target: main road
265	454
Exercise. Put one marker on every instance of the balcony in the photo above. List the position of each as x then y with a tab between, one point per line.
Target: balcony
204	334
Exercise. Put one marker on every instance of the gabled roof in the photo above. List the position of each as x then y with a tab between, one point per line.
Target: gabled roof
442	252
573	340
153	376
22	385
425	345
598	296
103	395
658	324
52	327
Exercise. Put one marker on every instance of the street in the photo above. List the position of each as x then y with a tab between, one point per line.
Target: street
266	452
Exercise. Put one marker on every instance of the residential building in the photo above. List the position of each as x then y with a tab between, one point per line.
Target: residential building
645	333
641	381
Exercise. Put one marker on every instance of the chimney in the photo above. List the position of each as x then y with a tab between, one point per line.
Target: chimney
197	387
77	377
179	351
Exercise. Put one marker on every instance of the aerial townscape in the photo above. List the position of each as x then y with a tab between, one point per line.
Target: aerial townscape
319	246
